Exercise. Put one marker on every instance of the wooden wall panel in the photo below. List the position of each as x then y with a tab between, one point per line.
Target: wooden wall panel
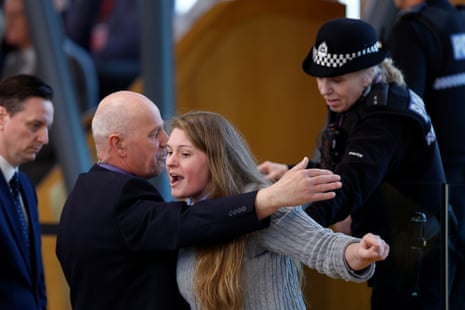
51	197
243	60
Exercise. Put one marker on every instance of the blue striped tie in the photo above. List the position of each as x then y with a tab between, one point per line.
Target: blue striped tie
19	208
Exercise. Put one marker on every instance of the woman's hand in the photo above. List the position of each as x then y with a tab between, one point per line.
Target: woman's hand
370	249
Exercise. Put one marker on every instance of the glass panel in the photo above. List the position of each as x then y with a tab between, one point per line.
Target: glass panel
455	283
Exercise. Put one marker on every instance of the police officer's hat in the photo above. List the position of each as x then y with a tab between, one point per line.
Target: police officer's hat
343	45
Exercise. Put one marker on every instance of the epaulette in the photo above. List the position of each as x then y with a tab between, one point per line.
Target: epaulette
391	99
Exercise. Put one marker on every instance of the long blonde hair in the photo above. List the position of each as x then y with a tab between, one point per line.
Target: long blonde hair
217	275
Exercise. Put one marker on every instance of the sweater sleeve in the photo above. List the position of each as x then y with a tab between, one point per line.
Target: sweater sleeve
292	232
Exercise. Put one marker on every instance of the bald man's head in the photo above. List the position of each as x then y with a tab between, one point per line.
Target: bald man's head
126	127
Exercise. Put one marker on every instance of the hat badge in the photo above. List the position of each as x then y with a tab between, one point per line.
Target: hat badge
323	50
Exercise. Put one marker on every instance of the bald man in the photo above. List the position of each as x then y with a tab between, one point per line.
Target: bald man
118	239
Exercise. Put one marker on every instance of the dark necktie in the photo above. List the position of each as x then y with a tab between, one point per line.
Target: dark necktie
19	208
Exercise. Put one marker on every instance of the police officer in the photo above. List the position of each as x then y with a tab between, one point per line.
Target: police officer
380	140
428	44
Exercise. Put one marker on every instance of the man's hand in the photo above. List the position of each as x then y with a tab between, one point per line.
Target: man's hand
296	187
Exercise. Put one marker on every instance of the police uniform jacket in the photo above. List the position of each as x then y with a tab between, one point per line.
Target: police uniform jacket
389	162
383	141
428	45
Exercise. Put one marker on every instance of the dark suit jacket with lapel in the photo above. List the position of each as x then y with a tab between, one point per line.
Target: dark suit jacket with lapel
22	285
118	240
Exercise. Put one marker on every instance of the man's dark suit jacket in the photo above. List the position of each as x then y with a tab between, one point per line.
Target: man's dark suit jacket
22	285
118	240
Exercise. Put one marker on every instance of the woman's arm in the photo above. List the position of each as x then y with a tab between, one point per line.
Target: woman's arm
292	232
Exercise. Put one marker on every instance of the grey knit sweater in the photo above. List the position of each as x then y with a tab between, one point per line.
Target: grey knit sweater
269	277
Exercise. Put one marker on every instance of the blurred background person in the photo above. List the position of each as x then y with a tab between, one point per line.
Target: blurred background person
427	43
18	55
110	31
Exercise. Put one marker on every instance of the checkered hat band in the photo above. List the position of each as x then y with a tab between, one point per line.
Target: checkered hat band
338	60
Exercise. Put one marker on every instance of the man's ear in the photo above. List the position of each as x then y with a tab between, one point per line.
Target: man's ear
3	115
117	143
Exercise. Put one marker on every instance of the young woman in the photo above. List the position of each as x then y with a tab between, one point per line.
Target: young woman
207	158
